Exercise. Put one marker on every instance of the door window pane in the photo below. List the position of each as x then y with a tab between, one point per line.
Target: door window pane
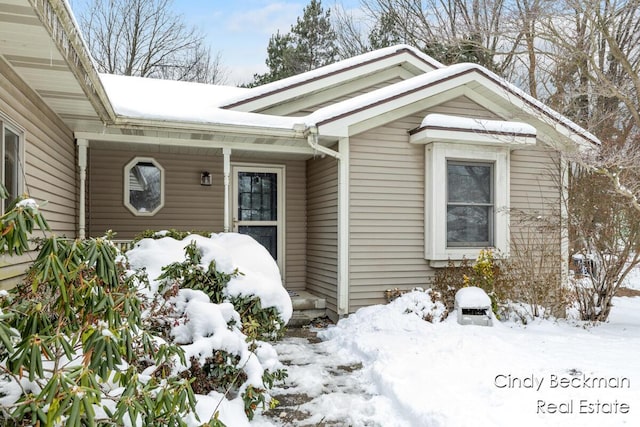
257	196
267	236
469	204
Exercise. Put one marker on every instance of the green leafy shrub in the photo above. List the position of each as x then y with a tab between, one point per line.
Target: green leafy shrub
86	342
191	274
76	350
222	371
254	397
258	323
79	333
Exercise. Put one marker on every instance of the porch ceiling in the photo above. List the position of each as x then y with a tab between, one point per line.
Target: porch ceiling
27	46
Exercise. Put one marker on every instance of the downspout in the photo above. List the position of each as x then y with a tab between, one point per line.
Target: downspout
312	140
343	228
342	156
226	152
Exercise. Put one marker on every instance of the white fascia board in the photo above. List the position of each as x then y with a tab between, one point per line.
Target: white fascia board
303	148
326	95
342	127
539	111
427	136
345	120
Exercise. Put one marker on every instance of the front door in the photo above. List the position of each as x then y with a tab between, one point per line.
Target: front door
258	206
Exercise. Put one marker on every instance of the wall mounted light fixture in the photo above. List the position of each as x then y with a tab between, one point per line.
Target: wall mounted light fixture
205	178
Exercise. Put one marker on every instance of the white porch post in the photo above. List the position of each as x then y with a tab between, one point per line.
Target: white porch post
343	227
82	165
226	152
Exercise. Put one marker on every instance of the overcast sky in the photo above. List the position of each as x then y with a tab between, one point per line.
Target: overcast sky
240	29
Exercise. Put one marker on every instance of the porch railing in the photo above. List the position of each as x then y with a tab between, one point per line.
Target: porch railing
122	244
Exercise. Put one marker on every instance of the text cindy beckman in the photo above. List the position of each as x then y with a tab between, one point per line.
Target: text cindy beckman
569	406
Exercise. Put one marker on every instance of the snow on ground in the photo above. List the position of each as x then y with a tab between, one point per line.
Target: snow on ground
633	279
414	373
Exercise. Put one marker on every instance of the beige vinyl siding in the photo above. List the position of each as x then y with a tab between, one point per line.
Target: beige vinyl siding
386	213
535	192
322	229
188	205
535	178
49	163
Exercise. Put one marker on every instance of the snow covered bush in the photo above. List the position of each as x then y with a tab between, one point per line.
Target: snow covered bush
219	297
86	341
79	353
172	232
257	322
425	304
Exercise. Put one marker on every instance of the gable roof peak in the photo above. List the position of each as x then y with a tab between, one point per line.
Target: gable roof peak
363	62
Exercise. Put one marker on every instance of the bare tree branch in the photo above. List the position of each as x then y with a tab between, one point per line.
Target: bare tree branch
146	38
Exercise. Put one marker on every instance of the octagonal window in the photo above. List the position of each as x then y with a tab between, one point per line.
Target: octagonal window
143	186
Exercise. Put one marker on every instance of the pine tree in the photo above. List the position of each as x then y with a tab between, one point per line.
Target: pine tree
385	33
310	44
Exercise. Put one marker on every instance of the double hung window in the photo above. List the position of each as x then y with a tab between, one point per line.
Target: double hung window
469	204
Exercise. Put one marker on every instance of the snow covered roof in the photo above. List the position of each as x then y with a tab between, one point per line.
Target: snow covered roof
171	101
176	101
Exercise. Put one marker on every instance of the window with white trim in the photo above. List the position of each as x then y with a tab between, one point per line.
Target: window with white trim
469	204
144	186
467	183
467	195
12	143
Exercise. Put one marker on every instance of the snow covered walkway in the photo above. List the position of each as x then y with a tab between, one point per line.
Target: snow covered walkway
385	367
324	388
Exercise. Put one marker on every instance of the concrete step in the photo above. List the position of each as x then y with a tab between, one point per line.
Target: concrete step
304	317
306	307
303	300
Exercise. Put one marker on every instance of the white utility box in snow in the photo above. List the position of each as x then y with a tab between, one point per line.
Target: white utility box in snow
473	307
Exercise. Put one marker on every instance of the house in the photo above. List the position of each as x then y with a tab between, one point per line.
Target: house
359	176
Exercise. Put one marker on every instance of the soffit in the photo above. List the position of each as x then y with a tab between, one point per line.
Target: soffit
27	46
